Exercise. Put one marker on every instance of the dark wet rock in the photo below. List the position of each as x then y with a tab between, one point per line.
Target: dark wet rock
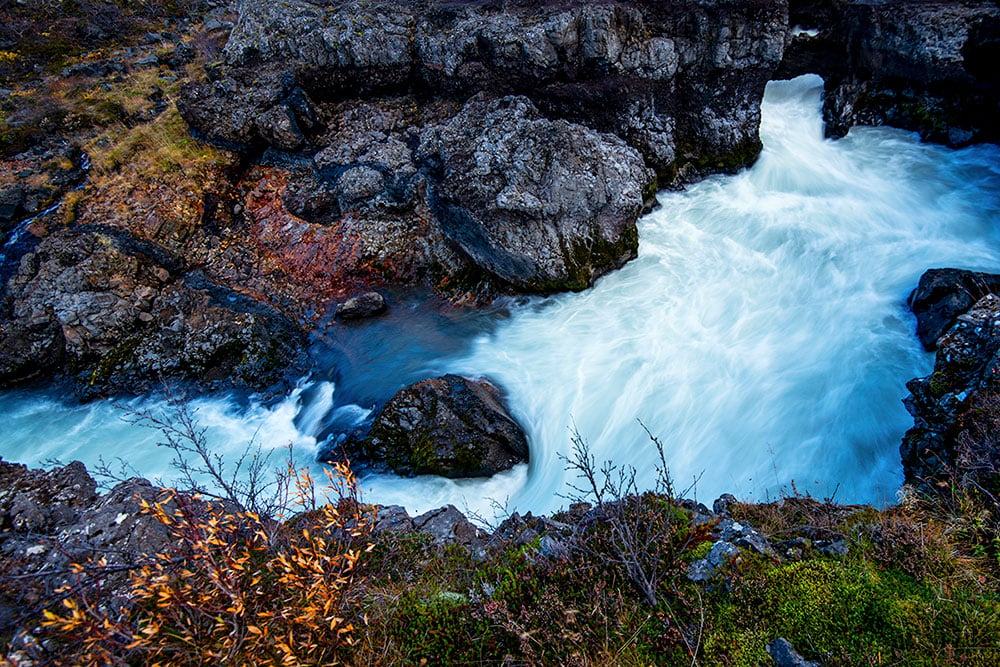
446	525
785	655
944	294
449	426
923	66
364	305
954	436
123	315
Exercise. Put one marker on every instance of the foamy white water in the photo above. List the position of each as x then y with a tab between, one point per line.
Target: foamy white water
762	334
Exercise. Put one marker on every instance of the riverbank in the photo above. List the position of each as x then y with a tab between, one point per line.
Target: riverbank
355	151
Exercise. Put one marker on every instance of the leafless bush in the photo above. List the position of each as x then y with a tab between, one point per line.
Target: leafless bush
641	532
251	482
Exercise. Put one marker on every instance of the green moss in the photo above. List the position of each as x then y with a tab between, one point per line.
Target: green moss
846	612
118	359
939	383
699	551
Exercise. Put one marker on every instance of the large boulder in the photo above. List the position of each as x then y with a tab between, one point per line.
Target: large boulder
449	426
543	205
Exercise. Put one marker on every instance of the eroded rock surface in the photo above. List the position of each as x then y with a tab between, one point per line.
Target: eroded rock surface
955	433
124	314
944	294
490	147
924	66
52	518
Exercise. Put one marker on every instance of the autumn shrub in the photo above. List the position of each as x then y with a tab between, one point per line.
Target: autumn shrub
234	588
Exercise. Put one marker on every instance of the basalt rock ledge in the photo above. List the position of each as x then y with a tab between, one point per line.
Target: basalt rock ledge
503	147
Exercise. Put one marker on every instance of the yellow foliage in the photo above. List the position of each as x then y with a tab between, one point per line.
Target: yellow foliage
236	589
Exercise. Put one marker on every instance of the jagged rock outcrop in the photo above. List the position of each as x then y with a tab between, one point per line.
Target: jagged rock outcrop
123	314
449	426
944	294
664	75
540	204
955	434
498	146
927	66
52	518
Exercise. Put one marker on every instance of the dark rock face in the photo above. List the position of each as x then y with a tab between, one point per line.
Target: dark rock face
541	204
35	179
917	65
944	294
477	138
630	67
49	519
123	315
955	432
449	426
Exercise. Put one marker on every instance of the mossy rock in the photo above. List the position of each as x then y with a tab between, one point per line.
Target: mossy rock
449	426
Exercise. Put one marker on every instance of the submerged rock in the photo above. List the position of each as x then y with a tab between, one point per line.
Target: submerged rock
364	305
449	426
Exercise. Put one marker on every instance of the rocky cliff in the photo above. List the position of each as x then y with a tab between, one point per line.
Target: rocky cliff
514	143
922	65
955	435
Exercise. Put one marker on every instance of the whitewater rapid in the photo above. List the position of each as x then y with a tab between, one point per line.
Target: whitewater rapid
762	334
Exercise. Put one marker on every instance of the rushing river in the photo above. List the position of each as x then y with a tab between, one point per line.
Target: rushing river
762	334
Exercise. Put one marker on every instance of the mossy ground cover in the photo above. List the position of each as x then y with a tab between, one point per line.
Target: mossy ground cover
909	591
